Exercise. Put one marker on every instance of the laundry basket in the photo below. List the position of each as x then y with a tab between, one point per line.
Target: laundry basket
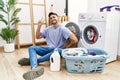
81	60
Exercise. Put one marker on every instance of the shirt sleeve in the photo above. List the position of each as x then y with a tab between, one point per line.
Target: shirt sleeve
44	33
66	32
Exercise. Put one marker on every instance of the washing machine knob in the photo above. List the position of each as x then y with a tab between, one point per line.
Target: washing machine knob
82	17
100	36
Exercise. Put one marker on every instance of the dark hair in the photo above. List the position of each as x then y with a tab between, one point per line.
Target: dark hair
52	13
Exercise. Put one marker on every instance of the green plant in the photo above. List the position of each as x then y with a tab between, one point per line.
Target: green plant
8	34
8	15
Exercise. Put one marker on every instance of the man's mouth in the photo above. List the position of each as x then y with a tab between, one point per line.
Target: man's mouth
54	21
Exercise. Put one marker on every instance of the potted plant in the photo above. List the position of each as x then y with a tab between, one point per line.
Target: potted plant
8	15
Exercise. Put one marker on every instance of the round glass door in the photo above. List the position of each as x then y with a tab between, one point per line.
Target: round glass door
90	34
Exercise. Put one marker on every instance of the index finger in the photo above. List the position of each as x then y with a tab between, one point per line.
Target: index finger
42	19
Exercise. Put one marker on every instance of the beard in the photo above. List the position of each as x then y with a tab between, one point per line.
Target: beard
54	22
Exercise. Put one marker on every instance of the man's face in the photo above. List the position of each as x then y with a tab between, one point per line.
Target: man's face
53	19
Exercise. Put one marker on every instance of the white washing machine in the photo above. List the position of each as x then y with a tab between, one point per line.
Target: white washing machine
100	30
92	28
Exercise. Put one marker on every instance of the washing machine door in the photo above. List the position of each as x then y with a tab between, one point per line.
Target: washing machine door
91	37
90	34
73	27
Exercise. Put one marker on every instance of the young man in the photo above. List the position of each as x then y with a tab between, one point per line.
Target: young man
56	36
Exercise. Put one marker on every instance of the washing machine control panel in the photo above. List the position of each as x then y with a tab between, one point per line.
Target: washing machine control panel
92	17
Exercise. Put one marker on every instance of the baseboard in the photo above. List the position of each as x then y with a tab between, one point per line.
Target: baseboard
118	57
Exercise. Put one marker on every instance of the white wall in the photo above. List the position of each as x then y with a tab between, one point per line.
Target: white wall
58	5
119	42
95	5
92	6
76	7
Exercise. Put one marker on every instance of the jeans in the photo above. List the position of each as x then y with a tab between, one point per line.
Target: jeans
44	52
